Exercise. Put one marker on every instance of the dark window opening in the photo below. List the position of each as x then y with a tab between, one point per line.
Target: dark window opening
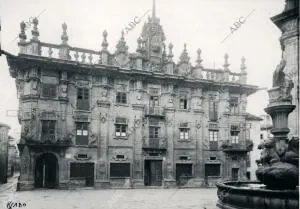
183	158
119	169
213	139
234	133
82	134
120	156
184	133
121	127
48	130
154	101
212	170
213	110
213	158
49	90
153	132
234	104
83	102
84	156
183	103
121	98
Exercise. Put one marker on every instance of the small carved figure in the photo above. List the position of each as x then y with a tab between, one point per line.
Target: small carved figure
279	75
104	94
289	85
170	103
63	90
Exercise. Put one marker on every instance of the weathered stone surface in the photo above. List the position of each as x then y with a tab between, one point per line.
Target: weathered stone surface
278	176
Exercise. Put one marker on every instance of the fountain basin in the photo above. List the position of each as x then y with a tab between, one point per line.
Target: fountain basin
252	194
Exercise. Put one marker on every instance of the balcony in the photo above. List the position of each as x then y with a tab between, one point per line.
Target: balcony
155	112
155	143
241	146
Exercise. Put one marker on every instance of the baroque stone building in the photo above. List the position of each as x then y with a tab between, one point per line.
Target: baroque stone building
288	23
130	120
4	128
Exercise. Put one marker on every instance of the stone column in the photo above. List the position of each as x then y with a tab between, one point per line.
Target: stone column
169	179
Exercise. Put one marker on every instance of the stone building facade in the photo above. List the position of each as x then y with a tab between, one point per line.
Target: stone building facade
288	23
12	162
255	124
127	120
4	128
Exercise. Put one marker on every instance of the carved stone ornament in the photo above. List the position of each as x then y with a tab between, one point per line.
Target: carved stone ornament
279	75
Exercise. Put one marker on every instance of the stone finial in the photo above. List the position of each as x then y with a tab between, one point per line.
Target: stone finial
170	55
199	60
243	66
121	46
22	34
184	57
64	36
139	45
164	53
104	42
226	64
35	32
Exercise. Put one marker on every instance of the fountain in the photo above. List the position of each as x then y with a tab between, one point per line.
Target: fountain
278	166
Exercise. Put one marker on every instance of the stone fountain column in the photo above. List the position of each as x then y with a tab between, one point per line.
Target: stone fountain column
278	166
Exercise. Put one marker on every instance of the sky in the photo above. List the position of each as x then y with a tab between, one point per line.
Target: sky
200	24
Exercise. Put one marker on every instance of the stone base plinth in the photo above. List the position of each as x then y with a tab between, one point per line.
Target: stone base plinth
193	183
169	183
25	185
102	184
138	184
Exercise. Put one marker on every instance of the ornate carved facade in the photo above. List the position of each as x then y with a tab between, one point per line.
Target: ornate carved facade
288	23
121	119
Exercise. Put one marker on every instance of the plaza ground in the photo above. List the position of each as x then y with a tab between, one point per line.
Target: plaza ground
110	199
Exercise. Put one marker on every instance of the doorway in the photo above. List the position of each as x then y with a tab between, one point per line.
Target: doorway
235	174
153	173
46	171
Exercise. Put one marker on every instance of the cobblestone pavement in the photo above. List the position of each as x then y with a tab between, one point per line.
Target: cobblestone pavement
112	199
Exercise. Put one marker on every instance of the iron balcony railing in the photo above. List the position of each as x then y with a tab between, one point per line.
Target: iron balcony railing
155	111
155	143
237	146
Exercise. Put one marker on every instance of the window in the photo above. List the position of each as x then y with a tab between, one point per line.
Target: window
82	170
132	85
213	136
83	102
212	158
121	127
183	158
212	170
119	169
121	98
183	103
213	110
153	132
234	104
247	134
82	134
82	156
120	156
184	133
49	90
48	130
234	133
154	102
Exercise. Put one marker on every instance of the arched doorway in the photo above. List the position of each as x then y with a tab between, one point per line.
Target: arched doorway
46	171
